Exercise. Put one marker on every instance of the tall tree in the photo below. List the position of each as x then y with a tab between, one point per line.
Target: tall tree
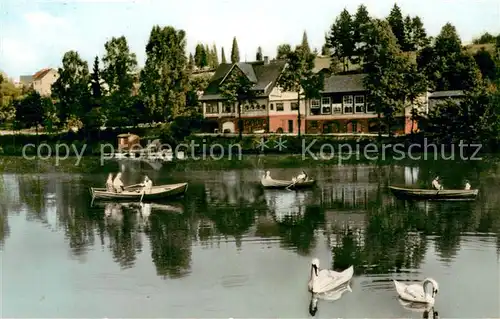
360	25
258	55
164	78
340	39
235	52
32	110
387	73
446	64
282	51
487	65
305	43
96	116
419	35
237	88
223	56
71	90
210	58
215	57
200	56
190	64
118	73
396	22
325	50
298	77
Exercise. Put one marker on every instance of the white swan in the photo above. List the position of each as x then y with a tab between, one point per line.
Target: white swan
418	292
324	280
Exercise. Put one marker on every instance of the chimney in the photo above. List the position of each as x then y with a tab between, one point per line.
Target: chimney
266	60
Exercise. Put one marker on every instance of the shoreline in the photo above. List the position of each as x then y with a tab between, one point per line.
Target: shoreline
94	164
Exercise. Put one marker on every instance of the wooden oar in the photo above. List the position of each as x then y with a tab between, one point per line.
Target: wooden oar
142	195
292	184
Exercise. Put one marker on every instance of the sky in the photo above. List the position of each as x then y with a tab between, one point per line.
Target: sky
34	34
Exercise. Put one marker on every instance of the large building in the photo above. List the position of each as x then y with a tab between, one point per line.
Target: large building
342	108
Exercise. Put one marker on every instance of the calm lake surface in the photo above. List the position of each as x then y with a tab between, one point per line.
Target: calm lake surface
232	249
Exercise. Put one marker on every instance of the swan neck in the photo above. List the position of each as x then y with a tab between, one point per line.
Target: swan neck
428	294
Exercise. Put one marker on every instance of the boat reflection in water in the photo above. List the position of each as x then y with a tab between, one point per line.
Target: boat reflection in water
332	295
427	311
287	206
114	211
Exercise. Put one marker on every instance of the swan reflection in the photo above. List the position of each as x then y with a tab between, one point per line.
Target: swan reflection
332	295
427	310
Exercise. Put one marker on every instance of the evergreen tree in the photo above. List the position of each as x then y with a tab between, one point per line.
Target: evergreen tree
235	52
360	25
258	55
200	56
396	22
190	65
215	57
420	38
209	55
340	39
223	56
305	43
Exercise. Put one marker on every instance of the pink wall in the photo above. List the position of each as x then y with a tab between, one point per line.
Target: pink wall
281	121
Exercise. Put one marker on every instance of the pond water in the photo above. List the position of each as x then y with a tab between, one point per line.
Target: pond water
231	249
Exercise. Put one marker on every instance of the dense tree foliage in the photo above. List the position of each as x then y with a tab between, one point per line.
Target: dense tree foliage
282	51
235	52
164	77
71	90
299	77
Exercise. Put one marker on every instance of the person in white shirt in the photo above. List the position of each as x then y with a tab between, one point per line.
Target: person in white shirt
148	184
109	183
467	185
268	175
435	183
117	183
302	177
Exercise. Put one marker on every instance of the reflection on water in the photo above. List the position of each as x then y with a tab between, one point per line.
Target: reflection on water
229	234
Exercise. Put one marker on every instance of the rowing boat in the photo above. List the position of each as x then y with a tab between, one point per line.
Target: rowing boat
432	194
281	184
133	193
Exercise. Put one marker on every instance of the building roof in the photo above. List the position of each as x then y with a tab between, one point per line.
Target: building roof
263	75
446	94
40	74
344	83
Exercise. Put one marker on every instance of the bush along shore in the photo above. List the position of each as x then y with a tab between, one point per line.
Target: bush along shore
231	146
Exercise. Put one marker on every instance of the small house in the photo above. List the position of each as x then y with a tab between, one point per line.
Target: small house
127	142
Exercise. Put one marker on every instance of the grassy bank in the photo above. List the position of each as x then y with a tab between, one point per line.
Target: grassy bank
93	164
80	144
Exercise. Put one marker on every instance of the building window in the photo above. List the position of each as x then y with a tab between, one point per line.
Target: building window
212	108
315	104
348	104
294	106
263	107
359	103
228	107
279	107
271	107
325	106
370	107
